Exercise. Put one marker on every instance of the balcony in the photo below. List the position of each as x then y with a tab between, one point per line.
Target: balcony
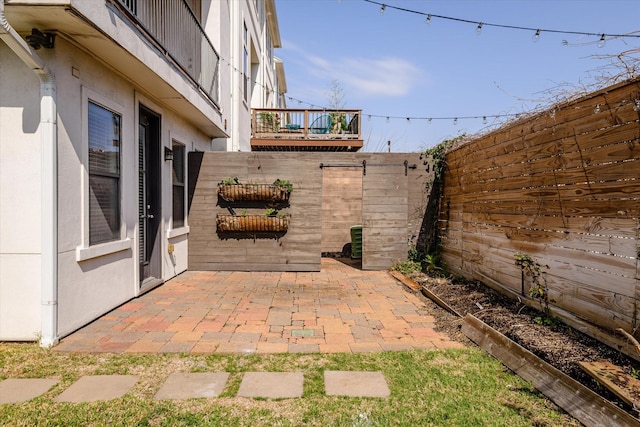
158	45
175	29
275	129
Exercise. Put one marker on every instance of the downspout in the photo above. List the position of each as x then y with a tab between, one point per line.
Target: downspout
49	179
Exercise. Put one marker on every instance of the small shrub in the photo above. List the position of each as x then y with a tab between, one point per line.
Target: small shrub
407	267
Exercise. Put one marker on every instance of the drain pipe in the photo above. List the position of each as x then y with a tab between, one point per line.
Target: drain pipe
49	179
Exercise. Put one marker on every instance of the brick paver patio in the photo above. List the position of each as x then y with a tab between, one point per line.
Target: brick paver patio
339	309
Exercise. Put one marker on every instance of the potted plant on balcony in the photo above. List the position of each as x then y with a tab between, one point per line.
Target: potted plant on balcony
270	121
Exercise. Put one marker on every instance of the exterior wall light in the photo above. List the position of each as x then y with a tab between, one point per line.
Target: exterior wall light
38	39
168	153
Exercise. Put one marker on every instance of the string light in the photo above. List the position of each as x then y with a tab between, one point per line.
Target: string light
602	41
597	109
479	29
427	21
382	8
636	105
480	25
536	36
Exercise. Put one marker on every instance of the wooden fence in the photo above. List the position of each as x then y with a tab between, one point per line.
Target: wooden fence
385	193
562	186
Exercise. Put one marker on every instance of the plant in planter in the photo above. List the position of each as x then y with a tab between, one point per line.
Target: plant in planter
270	212
230	181
284	184
270	121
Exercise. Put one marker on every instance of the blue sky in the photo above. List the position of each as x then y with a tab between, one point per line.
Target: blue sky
393	65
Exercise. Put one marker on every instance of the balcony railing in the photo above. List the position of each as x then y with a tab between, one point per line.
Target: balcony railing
275	123
174	27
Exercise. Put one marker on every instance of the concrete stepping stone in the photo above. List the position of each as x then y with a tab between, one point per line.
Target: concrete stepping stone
186	385
355	384
91	388
271	385
18	390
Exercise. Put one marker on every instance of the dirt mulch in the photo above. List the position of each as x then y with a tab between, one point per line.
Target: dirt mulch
559	345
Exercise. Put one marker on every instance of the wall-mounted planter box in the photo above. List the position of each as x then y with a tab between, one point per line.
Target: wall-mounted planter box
256	223
253	192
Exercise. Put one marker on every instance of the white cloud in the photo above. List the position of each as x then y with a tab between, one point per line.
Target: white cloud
386	76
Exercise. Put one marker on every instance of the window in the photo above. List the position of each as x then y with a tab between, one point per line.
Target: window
269	47
245	62
178	184
104	174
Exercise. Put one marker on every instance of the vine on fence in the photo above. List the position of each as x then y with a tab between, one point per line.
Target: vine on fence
539	289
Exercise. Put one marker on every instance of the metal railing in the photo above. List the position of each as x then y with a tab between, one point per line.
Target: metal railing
305	124
173	25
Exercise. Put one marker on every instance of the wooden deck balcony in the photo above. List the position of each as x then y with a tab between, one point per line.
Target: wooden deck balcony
274	129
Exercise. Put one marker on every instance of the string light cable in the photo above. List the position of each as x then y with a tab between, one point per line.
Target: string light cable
602	37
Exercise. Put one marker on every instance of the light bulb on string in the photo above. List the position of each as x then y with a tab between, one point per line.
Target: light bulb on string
484	120
382	8
387	119
408	121
369	117
602	41
429	121
536	36
455	121
427	21
597	109
479	29
636	105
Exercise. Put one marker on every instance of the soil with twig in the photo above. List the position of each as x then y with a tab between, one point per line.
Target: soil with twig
558	344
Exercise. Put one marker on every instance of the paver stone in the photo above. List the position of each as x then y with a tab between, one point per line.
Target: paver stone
193	385
17	390
356	384
271	385
92	388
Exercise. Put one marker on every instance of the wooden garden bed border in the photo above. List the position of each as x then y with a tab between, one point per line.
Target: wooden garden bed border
577	400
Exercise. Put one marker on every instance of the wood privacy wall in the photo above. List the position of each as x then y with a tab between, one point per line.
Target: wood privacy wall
325	202
564	187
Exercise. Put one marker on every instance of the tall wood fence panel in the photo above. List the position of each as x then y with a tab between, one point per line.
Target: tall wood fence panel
331	193
564	187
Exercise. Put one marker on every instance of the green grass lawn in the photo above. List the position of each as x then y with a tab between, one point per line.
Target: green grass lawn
428	388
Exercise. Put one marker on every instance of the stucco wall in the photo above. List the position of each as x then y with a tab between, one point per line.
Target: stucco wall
20	244
90	283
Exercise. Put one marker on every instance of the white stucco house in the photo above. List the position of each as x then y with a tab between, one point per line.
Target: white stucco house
100	103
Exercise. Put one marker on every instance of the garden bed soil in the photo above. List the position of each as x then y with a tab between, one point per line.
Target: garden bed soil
558	344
